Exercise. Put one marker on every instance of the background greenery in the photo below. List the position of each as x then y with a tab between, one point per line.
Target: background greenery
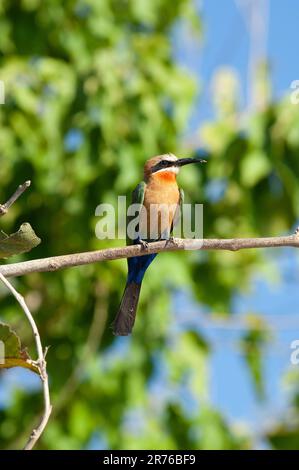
92	90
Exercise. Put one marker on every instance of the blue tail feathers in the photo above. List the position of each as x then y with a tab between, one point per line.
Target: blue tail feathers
137	267
125	318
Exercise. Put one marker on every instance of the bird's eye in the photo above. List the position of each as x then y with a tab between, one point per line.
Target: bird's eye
159	166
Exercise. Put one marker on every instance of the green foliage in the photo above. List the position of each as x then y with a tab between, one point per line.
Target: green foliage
20	242
252	344
92	90
284	434
11	352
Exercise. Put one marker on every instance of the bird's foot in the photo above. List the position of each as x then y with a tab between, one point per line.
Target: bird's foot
171	241
143	244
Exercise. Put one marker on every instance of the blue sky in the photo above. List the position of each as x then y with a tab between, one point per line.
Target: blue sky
226	42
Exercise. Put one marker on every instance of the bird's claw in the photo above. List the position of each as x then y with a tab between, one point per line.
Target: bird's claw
143	244
171	241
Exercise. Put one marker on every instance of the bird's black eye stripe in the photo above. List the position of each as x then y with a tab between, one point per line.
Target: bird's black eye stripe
162	164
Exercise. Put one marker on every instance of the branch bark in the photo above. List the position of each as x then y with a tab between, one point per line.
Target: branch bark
54	263
19	191
41	362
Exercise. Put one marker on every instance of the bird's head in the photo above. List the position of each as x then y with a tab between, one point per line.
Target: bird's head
167	165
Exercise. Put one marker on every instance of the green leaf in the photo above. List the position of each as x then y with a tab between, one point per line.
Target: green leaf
20	242
11	352
254	167
252	345
284	438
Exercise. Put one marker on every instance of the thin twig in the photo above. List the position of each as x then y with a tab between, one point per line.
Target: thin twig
19	191
36	433
91	345
55	263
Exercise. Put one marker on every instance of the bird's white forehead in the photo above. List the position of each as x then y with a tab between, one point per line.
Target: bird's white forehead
169	156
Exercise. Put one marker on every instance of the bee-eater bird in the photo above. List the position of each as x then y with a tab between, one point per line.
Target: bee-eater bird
158	190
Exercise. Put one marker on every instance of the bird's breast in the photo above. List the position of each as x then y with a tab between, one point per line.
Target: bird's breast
160	205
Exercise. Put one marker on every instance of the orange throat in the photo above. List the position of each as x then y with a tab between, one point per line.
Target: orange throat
165	176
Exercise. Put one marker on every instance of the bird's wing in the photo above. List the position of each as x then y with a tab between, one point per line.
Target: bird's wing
179	211
137	198
138	193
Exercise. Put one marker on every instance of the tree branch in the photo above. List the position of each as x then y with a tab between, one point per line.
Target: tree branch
54	263
19	191
36	433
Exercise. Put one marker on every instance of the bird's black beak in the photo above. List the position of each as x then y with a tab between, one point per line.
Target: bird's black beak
186	161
